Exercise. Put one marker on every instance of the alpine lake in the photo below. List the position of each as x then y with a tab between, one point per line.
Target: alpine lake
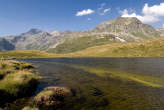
104	83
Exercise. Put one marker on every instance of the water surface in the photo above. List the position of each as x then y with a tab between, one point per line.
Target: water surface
95	92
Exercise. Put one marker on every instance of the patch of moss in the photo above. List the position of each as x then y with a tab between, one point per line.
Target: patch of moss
30	108
45	93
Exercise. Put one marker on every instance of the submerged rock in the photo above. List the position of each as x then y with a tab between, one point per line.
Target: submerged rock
52	97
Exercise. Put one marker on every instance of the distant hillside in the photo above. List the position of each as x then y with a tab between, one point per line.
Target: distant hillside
116	30
147	48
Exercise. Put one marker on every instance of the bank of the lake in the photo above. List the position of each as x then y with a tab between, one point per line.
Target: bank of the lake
17	80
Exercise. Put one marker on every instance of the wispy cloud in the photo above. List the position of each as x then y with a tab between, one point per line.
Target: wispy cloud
150	14
85	12
105	11
102	11
89	19
101	6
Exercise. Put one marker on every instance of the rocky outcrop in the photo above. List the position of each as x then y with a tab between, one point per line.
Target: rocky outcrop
161	31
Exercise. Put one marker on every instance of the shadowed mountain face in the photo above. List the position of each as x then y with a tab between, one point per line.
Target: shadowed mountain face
5	45
34	39
116	30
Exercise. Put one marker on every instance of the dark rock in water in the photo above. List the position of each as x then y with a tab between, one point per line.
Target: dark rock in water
52	97
81	99
97	92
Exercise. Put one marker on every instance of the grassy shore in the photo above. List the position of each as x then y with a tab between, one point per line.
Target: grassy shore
27	54
16	80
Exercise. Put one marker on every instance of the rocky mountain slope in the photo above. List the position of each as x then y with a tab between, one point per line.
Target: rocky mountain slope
116	30
34	39
161	31
129	29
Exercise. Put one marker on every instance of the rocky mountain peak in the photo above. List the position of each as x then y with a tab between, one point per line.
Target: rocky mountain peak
34	31
54	33
118	23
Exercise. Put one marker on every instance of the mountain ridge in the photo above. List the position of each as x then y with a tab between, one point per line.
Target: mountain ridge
115	30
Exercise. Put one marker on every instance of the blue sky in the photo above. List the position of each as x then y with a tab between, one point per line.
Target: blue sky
17	16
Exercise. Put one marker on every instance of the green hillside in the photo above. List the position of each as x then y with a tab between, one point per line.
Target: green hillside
149	48
79	43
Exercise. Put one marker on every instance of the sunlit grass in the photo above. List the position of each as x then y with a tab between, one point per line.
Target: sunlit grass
27	54
13	82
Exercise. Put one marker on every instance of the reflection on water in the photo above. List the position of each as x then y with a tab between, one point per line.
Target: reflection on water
92	92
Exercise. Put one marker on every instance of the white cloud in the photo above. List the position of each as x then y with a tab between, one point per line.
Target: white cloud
144	18
85	12
157	10
149	14
163	26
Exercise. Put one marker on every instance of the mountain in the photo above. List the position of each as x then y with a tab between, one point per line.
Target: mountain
129	29
34	39
116	30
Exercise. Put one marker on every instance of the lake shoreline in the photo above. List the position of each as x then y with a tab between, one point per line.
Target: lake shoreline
17	81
